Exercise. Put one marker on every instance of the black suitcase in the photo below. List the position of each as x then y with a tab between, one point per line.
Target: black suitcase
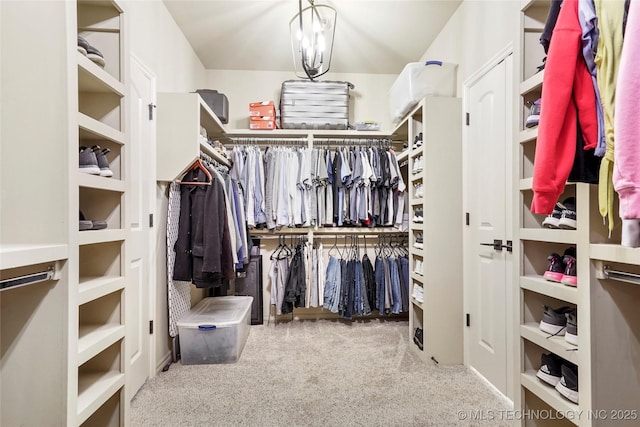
314	105
249	282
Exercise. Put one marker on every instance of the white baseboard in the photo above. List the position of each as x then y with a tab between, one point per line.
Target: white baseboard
163	362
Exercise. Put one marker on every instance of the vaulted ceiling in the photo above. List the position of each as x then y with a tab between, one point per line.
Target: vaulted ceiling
374	37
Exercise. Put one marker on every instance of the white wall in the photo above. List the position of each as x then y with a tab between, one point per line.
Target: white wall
368	101
160	45
478	31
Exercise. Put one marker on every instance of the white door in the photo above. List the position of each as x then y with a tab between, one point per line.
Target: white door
488	171
142	204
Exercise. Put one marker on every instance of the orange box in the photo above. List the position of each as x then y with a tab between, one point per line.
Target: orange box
262	122
261	109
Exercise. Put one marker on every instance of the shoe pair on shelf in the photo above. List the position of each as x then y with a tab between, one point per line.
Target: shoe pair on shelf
418	337
417	142
418	215
562	269
418	190
563	215
419	240
534	114
560	321
418	293
418	267
94	161
90	52
417	165
86	224
561	374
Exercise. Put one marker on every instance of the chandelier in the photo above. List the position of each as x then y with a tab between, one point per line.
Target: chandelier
312	30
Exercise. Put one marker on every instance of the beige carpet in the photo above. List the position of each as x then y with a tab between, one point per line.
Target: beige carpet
318	373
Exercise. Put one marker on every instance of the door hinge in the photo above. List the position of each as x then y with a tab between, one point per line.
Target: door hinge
467	118
151	107
467	218
468	320
150	327
150	220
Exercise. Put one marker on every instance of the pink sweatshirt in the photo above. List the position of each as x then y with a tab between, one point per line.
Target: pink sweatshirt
626	170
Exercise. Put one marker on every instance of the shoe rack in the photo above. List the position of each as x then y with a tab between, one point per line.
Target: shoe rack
434	269
608	326
97	322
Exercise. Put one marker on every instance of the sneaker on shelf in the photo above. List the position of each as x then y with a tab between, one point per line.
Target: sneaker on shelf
570	275
554	321
84	223
571	333
103	163
417	216
419	242
568	384
417	142
418	293
534	114
83	45
418	190
417	338
96	56
568	218
418	267
556	268
553	220
549	371
88	162
417	164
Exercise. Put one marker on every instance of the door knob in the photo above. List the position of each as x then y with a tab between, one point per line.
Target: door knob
497	245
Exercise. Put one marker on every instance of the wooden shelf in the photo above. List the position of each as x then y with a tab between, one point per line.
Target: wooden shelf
92	288
418	176
526	184
418	277
549	395
22	255
92	339
557	345
556	290
568	237
416	303
92	78
615	253
533	83
91	129
100	183
528	135
402	156
90	237
95	389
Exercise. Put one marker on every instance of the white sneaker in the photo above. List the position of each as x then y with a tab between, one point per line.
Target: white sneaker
418	267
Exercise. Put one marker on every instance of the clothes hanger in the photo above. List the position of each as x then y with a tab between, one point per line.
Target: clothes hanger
197	164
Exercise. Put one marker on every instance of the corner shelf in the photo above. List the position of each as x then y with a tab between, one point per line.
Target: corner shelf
93	339
556	290
95	389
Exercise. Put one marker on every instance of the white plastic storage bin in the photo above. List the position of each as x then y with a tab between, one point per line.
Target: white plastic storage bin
418	80
215	330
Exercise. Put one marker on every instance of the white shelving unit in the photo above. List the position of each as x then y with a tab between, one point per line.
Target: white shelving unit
608	319
440	314
97	296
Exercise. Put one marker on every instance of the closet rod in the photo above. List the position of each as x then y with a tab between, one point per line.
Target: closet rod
28	279
351	141
258	141
204	156
622	276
